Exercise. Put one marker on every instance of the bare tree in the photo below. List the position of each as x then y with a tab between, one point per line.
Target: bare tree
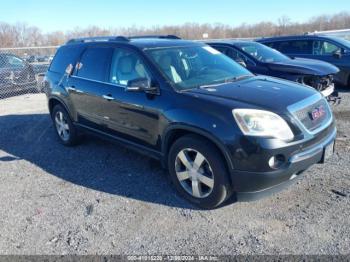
20	34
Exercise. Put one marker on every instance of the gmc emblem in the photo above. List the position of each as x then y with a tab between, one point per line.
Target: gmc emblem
317	113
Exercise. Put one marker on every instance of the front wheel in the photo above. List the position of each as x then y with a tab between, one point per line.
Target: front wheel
198	172
66	131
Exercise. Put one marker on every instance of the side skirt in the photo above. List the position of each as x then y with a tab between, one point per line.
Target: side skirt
121	141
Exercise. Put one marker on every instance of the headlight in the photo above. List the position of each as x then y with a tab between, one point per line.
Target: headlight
254	122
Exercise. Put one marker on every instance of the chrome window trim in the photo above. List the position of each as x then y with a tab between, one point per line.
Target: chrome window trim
101	82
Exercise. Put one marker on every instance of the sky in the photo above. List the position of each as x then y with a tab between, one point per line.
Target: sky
52	15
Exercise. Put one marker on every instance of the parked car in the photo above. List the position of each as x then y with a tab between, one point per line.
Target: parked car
16	75
330	49
263	60
31	59
217	128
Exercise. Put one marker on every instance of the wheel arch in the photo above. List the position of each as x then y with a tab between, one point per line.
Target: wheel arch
53	101
175	132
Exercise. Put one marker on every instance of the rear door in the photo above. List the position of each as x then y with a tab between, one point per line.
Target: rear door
88	87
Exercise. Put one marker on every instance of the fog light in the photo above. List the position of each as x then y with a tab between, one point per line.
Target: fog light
276	161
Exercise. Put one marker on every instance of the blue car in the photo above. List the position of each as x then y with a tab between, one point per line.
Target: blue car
263	60
330	49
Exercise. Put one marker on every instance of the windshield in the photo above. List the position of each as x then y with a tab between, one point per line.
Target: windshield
196	66
262	52
342	41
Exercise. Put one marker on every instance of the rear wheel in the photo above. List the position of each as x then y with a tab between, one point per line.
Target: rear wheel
65	130
198	172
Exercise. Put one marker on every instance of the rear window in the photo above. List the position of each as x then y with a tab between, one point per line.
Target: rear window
64	56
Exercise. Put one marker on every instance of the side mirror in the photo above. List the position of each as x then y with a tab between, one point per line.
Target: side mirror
141	85
241	62
69	70
337	54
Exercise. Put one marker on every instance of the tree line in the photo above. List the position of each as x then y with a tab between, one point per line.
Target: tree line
23	35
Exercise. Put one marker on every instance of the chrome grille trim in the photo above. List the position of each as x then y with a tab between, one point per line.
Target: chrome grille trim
308	102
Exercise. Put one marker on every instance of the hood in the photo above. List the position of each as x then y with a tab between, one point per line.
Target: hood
304	66
259	91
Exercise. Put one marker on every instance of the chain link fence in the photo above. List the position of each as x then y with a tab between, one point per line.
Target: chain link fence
23	69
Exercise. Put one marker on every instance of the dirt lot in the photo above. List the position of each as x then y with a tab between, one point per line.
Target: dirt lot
102	198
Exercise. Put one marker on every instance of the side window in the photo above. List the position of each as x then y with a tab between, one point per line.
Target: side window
238	56
272	45
126	65
301	47
324	48
94	63
64	56
221	49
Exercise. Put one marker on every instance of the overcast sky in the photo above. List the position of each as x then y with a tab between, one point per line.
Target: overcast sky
51	15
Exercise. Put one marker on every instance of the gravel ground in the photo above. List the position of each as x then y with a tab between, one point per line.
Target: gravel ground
99	198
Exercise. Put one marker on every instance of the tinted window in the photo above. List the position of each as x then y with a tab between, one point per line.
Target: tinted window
95	62
64	56
126	65
234	54
294	46
324	48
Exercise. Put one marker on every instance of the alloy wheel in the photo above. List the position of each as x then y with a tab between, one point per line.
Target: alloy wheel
194	173
62	126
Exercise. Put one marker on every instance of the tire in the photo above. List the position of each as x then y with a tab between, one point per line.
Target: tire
65	130
206	185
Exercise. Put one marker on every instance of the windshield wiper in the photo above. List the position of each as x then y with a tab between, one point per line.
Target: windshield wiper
237	78
225	81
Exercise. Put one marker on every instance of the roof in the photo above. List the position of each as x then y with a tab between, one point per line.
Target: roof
142	42
146	43
290	37
227	41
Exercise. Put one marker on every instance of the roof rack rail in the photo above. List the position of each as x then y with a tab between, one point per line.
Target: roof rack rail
155	36
98	39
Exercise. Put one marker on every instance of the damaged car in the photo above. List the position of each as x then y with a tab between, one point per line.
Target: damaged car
16	76
263	60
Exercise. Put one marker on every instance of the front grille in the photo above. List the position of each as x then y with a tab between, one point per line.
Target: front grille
310	117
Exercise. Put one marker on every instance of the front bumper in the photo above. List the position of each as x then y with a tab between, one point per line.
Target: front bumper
254	185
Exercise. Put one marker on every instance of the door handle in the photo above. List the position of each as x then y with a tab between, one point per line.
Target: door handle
73	89
70	88
108	97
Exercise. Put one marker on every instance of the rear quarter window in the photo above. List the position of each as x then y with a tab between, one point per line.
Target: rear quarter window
64	56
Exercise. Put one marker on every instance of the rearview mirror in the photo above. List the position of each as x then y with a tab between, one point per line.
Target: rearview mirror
337	53
141	85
